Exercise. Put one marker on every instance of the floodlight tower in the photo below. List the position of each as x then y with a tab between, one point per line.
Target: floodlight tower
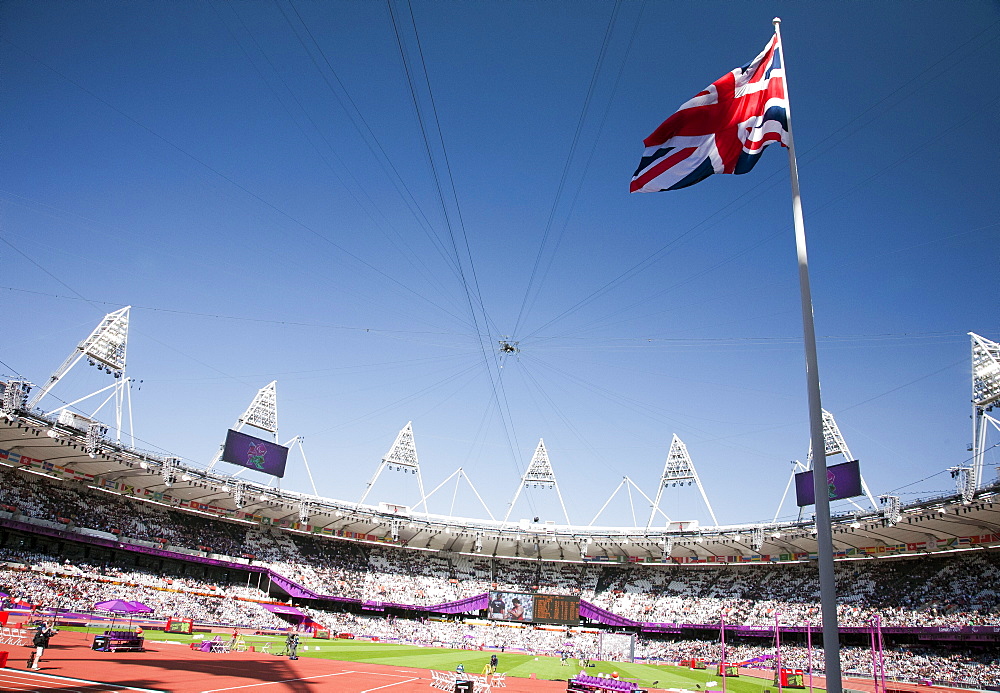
262	413
834	444
402	457
540	475
679	470
105	349
985	395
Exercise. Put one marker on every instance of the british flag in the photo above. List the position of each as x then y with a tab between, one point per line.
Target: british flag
723	129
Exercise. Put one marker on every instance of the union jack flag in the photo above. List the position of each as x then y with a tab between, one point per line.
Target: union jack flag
723	129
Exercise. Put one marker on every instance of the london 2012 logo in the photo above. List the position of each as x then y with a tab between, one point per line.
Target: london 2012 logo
255	456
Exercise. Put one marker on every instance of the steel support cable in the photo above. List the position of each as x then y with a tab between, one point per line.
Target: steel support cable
354	114
967	460
569	160
94	305
319	373
590	326
649	260
467	370
273	207
605	319
221	316
566	420
433	164
369	209
810	155
497	382
447	165
651	412
585	168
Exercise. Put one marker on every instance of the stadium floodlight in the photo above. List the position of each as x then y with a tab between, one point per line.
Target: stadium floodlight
539	474
95	431
168	470
891	511
402	456
985	396
667	547
15	396
106	348
965	482
985	371
678	468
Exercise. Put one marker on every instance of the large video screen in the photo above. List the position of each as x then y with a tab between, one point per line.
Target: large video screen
511	606
255	453
843	481
557	608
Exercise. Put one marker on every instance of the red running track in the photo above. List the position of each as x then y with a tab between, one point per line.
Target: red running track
70	666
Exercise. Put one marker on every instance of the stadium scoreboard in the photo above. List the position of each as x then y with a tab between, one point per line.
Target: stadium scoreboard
534	608
557	608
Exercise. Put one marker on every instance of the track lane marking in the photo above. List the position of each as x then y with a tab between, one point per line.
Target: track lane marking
395	683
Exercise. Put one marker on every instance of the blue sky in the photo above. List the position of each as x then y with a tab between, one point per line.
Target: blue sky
281	196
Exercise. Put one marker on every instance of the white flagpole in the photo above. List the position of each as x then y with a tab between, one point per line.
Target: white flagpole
824	533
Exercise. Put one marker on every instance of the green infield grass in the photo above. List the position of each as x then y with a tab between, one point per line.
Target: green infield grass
513	664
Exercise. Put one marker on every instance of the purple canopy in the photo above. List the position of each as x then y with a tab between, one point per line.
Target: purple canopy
120	606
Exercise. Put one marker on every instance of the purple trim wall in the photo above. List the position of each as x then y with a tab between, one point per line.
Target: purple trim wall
596	613
477	603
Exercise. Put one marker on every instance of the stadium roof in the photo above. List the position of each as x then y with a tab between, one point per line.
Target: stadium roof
60	451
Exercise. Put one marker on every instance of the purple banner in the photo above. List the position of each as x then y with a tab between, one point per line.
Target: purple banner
596	613
294	589
284	610
477	603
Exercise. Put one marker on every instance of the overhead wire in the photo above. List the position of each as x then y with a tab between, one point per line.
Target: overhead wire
229	179
361	125
370	208
768	182
557	198
495	377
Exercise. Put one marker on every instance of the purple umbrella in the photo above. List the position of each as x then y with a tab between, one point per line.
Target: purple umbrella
120	606
115	606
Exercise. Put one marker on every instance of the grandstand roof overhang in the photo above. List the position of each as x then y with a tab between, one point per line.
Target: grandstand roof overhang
44	447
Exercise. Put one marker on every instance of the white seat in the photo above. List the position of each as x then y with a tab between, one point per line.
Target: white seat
438	680
497	681
13	636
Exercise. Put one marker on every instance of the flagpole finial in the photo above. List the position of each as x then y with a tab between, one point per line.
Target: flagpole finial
776	21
